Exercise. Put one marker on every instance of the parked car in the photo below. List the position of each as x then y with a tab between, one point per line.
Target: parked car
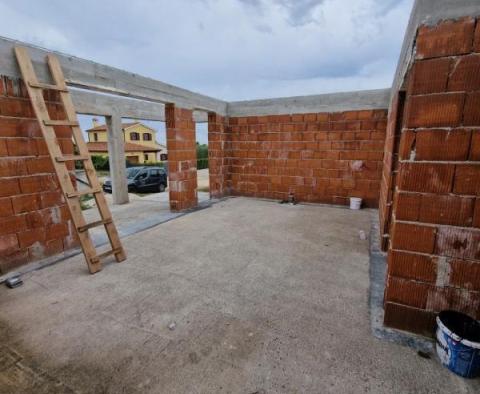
142	179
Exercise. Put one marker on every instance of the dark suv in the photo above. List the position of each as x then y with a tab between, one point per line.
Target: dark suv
142	179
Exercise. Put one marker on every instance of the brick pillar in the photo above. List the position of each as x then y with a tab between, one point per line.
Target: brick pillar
434	252
34	220
218	154
182	158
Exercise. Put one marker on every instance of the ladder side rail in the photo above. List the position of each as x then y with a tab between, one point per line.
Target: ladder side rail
102	205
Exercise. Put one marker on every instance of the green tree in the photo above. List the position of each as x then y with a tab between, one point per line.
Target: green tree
202	156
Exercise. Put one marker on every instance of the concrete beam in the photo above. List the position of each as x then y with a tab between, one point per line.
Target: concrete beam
116	159
94	103
428	12
331	102
148	95
94	76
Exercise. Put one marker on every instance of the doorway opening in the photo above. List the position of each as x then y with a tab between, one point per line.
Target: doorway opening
203	179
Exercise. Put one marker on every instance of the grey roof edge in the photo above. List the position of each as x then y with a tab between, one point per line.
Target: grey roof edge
328	102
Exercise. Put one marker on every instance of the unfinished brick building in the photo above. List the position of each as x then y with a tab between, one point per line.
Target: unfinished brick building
432	174
412	151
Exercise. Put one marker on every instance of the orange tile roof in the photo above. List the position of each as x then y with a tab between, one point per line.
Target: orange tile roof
129	147
104	126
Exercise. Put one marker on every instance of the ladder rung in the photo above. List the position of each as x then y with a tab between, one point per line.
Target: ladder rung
47	86
62	159
60	123
82	192
106	254
94	224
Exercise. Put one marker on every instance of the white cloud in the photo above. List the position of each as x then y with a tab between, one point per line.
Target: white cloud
18	25
231	49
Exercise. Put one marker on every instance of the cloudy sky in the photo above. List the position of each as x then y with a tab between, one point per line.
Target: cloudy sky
229	49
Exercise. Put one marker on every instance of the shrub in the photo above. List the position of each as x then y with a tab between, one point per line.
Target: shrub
100	162
202	164
202	156
156	164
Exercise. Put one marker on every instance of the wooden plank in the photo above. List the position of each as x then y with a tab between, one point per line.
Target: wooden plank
48	132
84	192
65	158
60	123
46	86
108	253
94	224
102	205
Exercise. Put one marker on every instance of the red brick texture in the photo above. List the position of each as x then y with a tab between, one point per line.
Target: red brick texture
34	220
448	38
434	222
182	158
392	153
219	154
317	157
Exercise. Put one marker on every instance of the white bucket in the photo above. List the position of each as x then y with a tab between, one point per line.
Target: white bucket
355	203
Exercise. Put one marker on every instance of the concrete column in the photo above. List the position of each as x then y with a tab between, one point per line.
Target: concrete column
116	158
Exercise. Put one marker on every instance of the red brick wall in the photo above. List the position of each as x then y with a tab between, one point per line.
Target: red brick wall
434	251
319	157
390	166
34	221
218	155
182	157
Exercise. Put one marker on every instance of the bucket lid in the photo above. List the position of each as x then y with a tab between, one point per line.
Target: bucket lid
460	327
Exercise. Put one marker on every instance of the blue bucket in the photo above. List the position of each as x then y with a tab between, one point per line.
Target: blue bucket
458	343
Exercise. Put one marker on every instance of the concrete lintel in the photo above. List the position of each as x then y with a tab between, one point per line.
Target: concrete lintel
430	12
94	76
330	102
94	103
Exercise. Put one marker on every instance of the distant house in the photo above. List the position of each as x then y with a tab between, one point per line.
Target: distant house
140	142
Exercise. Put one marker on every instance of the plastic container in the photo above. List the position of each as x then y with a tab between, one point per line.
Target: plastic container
458	343
355	203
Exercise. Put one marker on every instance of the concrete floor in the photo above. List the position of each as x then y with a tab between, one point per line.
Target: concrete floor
203	181
266	298
142	212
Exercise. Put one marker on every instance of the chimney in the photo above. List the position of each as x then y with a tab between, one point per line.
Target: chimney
95	122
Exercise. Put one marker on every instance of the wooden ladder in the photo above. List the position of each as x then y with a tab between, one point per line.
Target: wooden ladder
72	196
